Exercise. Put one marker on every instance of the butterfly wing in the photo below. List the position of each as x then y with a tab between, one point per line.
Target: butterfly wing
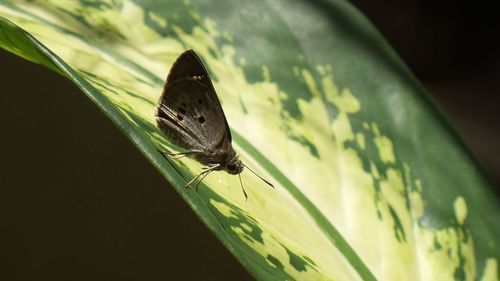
189	112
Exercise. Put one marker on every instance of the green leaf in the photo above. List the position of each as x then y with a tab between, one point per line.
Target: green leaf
371	182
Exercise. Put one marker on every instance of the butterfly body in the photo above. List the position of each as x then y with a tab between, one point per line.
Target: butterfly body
191	117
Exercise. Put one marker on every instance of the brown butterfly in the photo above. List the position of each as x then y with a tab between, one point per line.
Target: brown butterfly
191	117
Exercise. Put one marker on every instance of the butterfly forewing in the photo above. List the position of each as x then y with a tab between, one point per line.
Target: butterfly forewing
188	64
189	112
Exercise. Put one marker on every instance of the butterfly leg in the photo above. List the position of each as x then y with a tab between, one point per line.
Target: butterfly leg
202	178
178	155
204	174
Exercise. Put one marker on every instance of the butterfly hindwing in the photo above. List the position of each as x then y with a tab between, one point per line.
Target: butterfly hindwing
189	112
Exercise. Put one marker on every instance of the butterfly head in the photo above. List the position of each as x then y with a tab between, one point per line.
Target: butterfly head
234	166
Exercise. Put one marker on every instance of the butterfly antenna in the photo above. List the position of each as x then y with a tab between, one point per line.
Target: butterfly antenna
270	184
243	188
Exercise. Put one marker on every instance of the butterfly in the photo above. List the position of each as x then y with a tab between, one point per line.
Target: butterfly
190	116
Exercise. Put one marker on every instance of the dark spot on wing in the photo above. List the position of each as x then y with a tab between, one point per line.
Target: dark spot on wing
180	117
201	119
200	101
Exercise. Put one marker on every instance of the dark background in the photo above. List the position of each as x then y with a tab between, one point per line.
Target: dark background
79	202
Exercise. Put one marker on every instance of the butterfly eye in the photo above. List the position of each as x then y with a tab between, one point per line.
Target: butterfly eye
231	166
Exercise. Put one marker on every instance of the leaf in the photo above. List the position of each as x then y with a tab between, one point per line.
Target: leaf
371	182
